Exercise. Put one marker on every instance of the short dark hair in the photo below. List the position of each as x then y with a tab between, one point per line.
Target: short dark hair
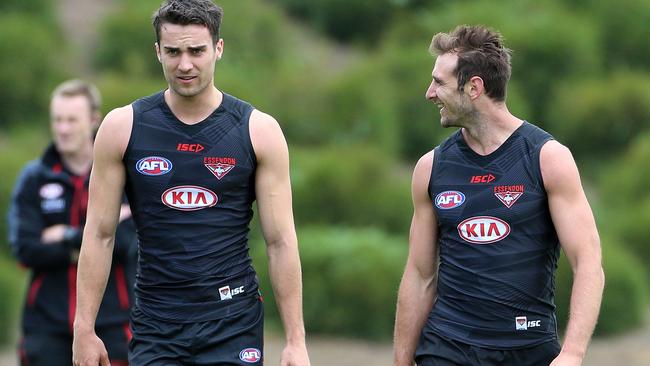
186	12
481	52
75	87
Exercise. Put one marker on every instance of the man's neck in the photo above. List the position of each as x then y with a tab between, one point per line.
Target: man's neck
491	129
192	110
79	162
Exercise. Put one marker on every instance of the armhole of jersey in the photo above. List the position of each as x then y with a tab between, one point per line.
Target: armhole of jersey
134	132
246	118
436	152
537	161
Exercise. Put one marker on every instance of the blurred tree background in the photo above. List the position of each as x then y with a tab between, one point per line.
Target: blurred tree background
346	80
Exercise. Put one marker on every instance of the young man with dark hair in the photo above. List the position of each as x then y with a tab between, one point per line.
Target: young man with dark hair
493	205
46	220
192	160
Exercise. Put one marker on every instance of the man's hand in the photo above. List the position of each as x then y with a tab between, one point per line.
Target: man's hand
125	212
295	355
88	350
53	234
566	359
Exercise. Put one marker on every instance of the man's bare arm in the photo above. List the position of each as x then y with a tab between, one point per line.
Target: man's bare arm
273	191
576	229
418	287
106	188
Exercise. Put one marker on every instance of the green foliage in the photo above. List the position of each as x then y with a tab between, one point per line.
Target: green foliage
344	20
353	186
42	9
598	118
31	68
127	41
625	32
118	90
12	281
625	299
624	192
350	280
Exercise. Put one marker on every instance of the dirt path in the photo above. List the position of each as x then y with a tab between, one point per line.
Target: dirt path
80	20
632	349
628	350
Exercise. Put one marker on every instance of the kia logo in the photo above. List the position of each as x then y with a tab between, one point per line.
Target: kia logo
483	229
189	198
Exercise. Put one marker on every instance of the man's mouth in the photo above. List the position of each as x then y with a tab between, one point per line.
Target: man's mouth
186	78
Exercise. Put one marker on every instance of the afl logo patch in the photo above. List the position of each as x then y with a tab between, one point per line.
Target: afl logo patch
250	355
449	199
51	191
483	230
189	198
153	165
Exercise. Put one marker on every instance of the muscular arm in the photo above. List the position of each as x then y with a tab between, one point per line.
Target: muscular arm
273	191
418	287
106	187
576	229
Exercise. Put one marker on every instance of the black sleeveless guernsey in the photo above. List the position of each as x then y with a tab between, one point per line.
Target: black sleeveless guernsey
191	189
498	246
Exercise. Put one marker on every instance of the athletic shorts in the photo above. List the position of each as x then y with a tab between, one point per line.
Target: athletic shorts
42	349
235	340
435	350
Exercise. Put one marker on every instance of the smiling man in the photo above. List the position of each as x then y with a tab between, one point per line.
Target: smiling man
192	160
493	205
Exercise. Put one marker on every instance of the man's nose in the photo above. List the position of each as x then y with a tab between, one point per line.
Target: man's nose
431	92
185	64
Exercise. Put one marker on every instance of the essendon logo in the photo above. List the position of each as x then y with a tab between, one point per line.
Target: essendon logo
508	195
189	198
482	178
250	355
224	293
449	199
153	165
522	323
483	230
190	147
219	166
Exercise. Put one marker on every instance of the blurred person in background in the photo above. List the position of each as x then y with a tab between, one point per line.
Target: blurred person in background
192	160
493	205
46	221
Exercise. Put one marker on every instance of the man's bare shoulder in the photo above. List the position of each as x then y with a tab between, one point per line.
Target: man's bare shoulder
263	121
424	166
558	166
266	135
422	174
115	130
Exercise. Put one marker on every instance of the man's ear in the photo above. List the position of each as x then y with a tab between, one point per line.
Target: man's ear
475	87
157	47
218	48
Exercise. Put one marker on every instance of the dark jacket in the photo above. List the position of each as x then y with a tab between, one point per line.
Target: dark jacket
47	194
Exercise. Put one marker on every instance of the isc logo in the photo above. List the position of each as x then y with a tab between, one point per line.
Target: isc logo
449	199
190	147
483	229
250	355
225	293
153	165
189	198
482	178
